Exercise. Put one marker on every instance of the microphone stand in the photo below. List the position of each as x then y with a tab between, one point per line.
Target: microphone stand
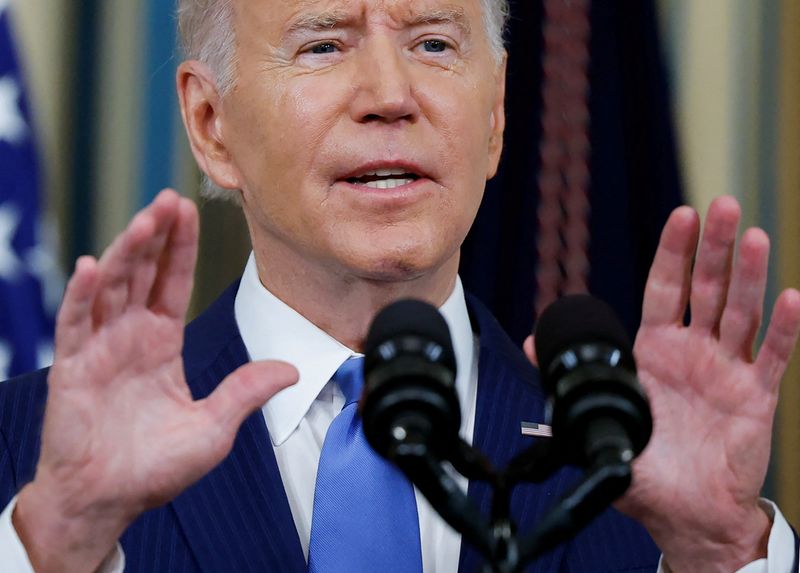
496	538
603	483
427	473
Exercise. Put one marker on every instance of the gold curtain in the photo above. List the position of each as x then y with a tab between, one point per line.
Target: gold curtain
788	159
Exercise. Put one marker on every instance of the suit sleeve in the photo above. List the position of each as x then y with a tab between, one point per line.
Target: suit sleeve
12	553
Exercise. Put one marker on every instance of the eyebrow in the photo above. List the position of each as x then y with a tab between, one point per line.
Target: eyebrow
318	22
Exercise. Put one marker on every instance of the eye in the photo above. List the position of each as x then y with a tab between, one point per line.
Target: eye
324	48
435	46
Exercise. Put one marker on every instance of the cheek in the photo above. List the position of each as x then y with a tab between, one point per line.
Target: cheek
462	118
308	110
285	127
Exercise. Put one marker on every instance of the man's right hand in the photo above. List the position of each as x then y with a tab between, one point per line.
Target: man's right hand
122	433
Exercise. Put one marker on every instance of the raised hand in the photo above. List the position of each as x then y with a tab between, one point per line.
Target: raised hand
121	432
696	487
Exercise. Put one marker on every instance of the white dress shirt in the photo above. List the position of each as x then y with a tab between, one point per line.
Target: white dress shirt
298	419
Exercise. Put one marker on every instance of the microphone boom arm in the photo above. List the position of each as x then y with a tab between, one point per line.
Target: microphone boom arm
413	456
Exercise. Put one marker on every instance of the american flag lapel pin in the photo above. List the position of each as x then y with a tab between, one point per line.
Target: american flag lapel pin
536	430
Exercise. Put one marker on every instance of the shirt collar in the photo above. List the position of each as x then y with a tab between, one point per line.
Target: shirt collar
271	330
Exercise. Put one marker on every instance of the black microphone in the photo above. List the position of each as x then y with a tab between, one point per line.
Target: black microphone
410	411
409	380
598	410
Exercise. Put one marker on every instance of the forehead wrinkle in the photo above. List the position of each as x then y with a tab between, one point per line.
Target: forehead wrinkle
334	18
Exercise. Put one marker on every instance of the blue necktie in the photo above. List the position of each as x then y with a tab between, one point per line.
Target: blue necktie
365	515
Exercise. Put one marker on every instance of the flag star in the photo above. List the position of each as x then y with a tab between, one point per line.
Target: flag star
9	263
43	266
44	353
13	128
5	360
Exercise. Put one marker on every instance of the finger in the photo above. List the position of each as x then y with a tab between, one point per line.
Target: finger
529	346
114	268
712	270
780	339
124	265
667	289
74	321
165	213
245	390
741	318
172	289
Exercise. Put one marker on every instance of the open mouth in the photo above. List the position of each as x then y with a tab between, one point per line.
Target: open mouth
384	179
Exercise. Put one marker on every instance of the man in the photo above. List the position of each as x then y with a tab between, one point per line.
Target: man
358	136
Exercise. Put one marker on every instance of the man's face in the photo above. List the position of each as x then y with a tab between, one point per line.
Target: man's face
362	132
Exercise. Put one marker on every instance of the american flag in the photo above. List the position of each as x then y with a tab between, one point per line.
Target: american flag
536	430
28	272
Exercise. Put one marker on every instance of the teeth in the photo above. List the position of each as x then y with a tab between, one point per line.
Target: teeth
384	173
388	183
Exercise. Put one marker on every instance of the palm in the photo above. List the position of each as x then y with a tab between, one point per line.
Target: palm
711	414
114	404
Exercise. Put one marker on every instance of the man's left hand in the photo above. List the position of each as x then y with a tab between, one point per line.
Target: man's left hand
696	486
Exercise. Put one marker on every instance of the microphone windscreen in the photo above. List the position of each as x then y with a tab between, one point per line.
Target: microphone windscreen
578	319
410	317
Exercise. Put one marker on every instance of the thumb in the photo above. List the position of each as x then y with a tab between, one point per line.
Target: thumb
530	350
247	389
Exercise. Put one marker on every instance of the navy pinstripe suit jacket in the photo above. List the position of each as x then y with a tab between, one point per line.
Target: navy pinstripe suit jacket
237	518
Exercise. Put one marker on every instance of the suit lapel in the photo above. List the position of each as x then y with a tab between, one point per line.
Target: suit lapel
236	518
508	394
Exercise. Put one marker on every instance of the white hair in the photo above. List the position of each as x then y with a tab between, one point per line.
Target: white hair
207	34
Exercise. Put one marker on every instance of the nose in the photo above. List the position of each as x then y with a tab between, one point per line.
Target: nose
384	85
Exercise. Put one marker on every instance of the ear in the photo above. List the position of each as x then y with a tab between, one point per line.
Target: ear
201	109
497	119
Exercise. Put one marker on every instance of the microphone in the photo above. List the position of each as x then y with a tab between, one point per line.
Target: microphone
411	415
409	393
599	411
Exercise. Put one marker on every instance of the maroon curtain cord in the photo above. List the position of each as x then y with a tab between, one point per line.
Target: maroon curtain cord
564	210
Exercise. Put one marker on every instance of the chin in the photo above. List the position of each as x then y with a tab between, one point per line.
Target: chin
399	266
399	254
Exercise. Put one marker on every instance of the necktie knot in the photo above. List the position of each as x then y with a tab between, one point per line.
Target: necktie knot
350	378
